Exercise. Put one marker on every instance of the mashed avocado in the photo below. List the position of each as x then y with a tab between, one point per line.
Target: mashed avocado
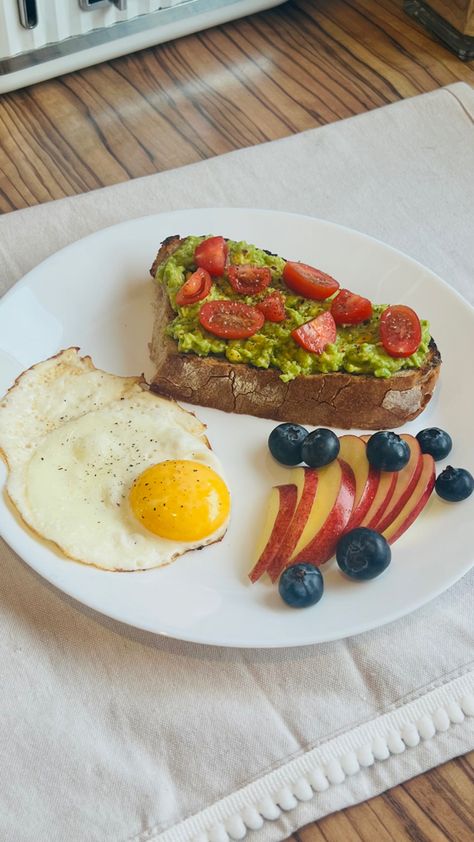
357	348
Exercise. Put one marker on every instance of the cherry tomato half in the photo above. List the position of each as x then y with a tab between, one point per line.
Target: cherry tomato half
248	279
308	281
194	289
273	307
230	319
211	255
400	330
350	309
316	334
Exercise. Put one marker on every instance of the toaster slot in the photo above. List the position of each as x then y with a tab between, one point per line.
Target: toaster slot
90	5
28	13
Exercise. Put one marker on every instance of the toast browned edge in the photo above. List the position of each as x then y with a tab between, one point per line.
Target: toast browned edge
336	399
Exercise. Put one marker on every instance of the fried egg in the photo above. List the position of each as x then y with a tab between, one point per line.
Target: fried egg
115	475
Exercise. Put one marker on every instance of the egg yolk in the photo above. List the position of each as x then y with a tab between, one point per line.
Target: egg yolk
180	499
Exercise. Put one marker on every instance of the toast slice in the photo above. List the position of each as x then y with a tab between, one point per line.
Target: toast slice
336	399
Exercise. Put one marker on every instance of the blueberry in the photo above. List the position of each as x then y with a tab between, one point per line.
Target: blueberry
363	553
320	447
454	484
285	443
301	585
386	451
436	442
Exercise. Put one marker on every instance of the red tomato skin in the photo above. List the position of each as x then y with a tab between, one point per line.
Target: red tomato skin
211	255
230	319
308	281
348	308
400	330
313	336
247	279
273	307
197	287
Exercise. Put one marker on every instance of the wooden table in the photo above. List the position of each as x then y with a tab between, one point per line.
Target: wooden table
300	65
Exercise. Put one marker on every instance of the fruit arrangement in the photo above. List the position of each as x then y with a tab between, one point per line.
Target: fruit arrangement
353	497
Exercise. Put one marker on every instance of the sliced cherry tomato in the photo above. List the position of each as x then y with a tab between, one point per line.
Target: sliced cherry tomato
230	319
194	289
248	279
400	330
211	255
316	334
350	309
273	307
308	281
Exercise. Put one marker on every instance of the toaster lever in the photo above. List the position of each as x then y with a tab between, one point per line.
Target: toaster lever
28	13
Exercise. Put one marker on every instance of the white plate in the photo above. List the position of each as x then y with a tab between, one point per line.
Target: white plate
97	294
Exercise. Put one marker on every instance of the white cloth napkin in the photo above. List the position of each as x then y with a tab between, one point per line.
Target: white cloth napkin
114	735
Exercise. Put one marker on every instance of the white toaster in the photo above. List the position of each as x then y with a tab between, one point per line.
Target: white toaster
44	38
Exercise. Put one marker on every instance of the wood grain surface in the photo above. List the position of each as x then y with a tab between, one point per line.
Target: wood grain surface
301	65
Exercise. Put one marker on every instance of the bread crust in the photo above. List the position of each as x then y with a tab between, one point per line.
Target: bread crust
167	248
336	399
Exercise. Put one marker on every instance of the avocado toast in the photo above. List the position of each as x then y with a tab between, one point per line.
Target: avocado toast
240	338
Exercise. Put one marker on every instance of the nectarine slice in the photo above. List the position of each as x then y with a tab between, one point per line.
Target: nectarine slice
406	482
298	522
383	495
279	511
329	514
417	502
353	451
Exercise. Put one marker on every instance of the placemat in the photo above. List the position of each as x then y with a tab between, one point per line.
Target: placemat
113	735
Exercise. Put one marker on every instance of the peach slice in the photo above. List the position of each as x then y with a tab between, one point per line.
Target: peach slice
279	511
331	509
416	503
305	501
353	452
406	482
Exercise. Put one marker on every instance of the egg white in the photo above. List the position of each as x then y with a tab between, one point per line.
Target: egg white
74	439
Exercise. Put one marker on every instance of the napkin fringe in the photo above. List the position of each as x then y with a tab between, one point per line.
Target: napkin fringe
303	778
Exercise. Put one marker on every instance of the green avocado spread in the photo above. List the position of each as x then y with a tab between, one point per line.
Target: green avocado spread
357	349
